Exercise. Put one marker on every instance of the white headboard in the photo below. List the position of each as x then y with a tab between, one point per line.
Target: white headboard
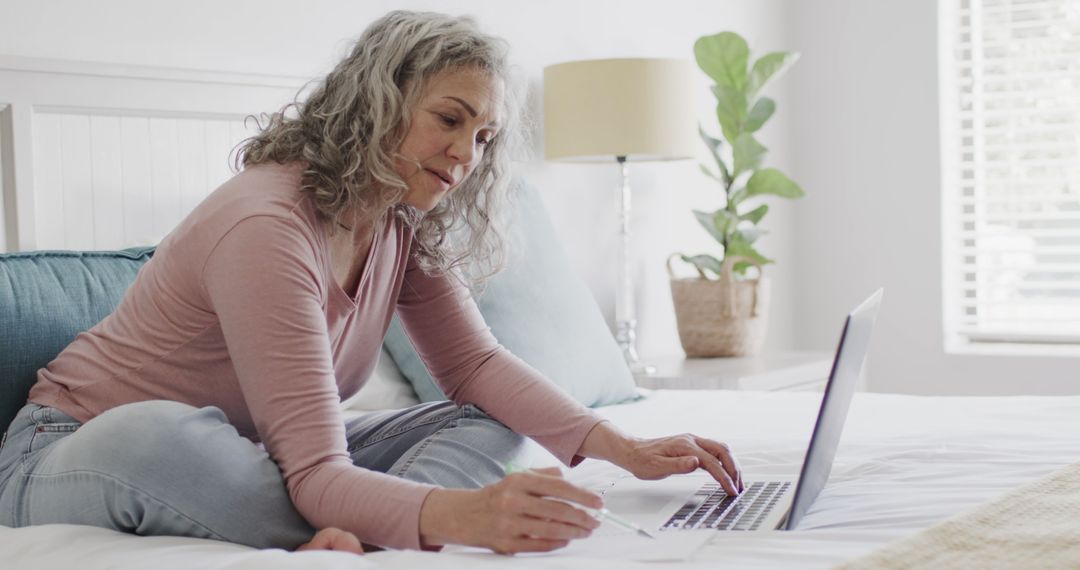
102	156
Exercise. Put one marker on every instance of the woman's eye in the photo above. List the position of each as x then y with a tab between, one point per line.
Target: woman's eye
448	120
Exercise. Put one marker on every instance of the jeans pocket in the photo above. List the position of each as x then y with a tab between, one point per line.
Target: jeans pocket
47	434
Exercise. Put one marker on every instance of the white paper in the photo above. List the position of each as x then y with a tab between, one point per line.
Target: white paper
669	546
617	544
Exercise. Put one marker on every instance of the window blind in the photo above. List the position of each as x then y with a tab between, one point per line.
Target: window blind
1011	170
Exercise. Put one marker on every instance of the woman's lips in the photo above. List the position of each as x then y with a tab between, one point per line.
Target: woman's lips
439	178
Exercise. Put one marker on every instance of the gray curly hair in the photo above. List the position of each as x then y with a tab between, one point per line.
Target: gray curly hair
350	127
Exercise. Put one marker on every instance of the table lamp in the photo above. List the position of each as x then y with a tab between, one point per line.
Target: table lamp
627	110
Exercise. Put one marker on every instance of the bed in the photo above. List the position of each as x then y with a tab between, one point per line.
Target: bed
904	463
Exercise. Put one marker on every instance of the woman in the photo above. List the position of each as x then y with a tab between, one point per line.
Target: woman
267	305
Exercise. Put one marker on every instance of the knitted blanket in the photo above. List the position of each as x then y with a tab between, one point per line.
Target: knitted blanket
1034	526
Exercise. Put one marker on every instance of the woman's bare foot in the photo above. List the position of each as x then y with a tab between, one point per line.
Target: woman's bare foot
333	539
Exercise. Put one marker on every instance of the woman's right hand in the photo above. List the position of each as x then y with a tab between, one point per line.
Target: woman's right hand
527	511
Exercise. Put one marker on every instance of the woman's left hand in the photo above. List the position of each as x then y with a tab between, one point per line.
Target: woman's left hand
663	456
331	538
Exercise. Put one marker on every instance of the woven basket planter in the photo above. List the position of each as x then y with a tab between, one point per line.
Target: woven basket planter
720	317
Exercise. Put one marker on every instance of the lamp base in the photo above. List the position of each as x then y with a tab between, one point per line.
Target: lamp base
639	369
625	336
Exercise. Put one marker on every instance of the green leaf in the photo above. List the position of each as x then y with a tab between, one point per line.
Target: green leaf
738	245
768	66
714	144
740	267
754	216
747	153
714	147
762	110
720	224
704	262
725	222
723	57
750	235
738	196
730	110
772	181
706	221
710	173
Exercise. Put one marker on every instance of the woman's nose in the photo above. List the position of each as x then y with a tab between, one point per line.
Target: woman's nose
462	150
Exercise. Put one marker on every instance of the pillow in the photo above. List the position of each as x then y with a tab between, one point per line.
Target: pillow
48	297
386	389
542	312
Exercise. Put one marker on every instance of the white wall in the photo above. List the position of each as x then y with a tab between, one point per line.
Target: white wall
865	129
857	126
290	38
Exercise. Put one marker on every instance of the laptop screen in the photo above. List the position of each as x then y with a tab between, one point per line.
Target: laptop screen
846	369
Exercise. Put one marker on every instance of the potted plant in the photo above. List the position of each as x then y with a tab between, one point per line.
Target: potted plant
723	311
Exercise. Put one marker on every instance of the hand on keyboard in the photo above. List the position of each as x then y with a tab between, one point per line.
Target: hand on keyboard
663	456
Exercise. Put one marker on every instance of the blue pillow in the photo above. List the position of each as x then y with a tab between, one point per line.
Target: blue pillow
543	313
48	297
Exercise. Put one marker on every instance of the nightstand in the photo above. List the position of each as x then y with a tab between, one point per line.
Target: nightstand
792	371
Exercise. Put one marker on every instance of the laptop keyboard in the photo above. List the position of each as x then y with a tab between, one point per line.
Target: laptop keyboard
711	507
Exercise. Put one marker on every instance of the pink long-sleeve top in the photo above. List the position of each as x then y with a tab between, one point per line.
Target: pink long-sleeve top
239	309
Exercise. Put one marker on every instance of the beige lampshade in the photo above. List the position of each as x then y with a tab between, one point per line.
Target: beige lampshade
643	109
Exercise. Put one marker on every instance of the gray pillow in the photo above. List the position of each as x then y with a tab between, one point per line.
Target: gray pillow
543	313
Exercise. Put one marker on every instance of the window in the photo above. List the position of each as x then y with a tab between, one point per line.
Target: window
1010	80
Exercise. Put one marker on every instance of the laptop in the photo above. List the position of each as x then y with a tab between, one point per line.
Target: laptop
696	501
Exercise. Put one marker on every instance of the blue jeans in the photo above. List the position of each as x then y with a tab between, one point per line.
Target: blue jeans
166	468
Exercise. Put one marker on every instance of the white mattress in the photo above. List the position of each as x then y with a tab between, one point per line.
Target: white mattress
904	463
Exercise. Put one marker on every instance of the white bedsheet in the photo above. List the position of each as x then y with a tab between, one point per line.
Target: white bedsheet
904	463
